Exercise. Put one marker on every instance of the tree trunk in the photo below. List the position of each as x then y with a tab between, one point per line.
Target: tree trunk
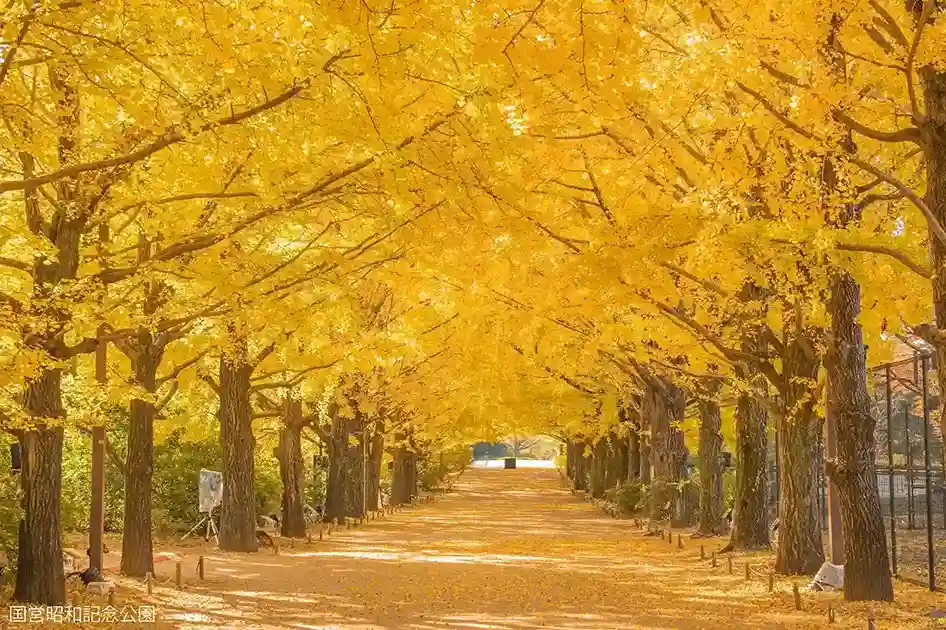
750	528
711	447
599	465
39	575
238	510
581	465
292	471
137	553
337	444
646	470
634	456
800	546
375	454
570	460
866	563
356	464
616	471
402	480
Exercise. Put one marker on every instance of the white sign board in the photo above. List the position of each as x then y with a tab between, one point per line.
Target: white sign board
210	490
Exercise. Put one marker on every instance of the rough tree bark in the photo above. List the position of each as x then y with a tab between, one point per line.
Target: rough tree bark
39	576
616	471
336	445
405	464
664	405
710	460
750	529
800	547
357	469
238	446
292	470
375	453
866	563
934	152
137	553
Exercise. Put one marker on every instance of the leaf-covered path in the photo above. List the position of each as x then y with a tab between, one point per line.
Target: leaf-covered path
510	550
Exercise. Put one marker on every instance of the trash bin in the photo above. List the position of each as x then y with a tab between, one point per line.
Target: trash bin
510	462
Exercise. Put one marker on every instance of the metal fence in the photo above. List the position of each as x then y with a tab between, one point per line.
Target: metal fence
910	467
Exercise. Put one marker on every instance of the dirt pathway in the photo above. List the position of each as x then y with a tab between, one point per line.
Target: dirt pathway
510	550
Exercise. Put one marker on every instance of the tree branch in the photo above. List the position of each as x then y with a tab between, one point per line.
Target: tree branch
170	137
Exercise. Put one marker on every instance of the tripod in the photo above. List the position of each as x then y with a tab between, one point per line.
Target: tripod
211	528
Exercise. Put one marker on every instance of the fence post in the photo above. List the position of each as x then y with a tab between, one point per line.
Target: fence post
928	474
890	475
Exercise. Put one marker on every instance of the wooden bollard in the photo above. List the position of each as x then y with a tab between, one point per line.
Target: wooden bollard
200	568
276	546
150	581
871	625
747	572
771	581
111	598
797	596
714	559
292	543
679	541
321	527
178	579
729	563
830	613
702	552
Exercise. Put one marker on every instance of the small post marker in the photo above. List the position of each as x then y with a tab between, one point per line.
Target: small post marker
797	596
702	552
729	563
276	546
111	598
830	613
150	580
178	579
771	581
321	527
679	541
200	568
714	559
747	572
870	622
292	543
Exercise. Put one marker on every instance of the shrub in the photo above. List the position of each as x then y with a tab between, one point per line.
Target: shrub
627	496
